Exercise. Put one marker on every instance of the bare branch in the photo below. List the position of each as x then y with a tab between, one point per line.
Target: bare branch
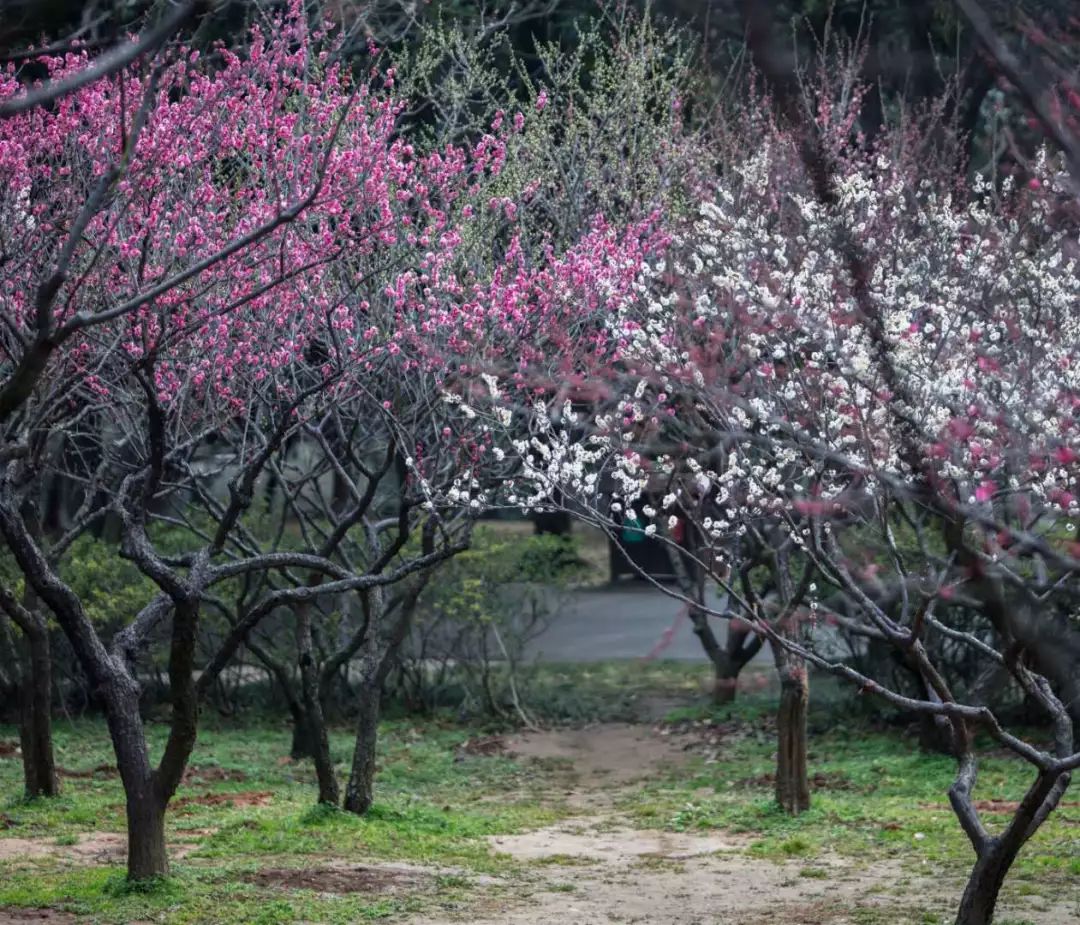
109	63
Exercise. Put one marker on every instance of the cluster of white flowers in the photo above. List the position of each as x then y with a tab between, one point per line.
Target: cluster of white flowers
760	363
973	350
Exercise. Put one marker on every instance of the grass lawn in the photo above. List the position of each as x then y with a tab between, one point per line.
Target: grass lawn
245	806
875	794
245	809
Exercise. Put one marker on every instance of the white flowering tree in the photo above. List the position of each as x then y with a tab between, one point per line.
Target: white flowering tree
860	387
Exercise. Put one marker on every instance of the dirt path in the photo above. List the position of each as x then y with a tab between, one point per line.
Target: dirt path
597	869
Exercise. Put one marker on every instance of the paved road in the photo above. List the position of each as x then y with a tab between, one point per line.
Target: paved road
627	620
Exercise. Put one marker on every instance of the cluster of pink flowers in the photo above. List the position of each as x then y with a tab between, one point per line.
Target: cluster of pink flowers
272	225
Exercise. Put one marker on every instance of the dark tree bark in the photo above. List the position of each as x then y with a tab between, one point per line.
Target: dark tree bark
983	886
724	673
34	686
792	777
378	649
304	738
303	734
360	792
934	736
312	708
995	855
324	764
147	856
35	726
379	655
147	790
741	643
10	676
144	802
725	681
740	647
1051	642
936	733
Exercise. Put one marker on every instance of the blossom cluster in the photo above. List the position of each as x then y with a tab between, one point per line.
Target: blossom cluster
787	356
257	229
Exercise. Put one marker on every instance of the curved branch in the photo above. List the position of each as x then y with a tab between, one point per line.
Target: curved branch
109	63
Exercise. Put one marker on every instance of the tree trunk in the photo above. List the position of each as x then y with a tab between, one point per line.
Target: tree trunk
324	763
996	855
31	671
35	726
725	668
10	668
147	791
792	778
935	737
984	885
304	738
725	679
146	835
360	793
312	708
144	802
375	665
740	646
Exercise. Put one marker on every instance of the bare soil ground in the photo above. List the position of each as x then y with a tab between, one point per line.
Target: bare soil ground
596	869
668	887
26	916
97	849
388	879
247	798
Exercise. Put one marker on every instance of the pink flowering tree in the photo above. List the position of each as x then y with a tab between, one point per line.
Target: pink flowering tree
240	284
176	228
